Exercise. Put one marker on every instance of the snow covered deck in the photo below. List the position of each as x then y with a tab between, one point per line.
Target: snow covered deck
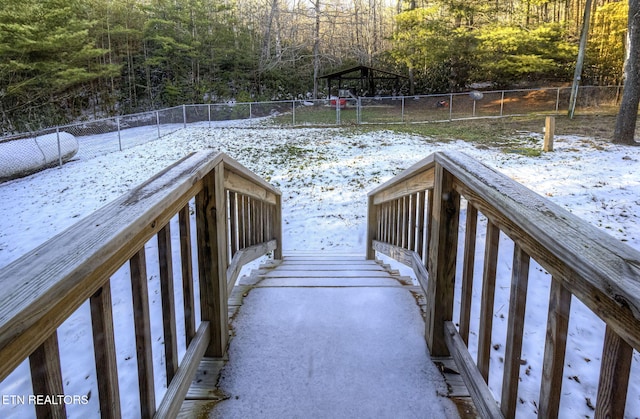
323	335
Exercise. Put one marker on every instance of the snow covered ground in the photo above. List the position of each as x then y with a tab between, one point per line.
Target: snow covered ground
324	175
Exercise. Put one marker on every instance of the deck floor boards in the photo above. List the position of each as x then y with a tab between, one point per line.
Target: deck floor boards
337	282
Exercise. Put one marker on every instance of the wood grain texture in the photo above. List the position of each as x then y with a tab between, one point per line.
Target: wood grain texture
468	261
443	245
482	397
167	292
487	299
515	330
46	378
67	270
554	350
142	327
417	183
593	265
177	390
105	353
614	376
186	255
213	295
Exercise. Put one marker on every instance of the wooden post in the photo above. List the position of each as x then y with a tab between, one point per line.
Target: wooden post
443	243
210	218
549	132
372	227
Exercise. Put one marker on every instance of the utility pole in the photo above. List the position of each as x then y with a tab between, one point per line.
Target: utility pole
580	61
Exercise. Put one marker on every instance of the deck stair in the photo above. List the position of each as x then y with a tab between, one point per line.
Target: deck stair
336	282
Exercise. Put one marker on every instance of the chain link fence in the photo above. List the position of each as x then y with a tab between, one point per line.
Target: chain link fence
27	153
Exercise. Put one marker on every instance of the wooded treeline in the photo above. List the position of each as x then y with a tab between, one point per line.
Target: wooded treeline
63	60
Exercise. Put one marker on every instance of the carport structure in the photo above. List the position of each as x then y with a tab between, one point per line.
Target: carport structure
364	80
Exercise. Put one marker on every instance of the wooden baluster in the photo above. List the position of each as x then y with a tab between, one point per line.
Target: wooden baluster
187	274
142	324
399	220
105	352
467	271
212	242
488	295
233	222
443	244
614	376
554	350
515	329
429	230
421	225
244	222
168	302
46	378
412	222
405	222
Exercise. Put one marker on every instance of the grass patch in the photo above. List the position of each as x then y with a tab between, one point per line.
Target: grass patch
510	132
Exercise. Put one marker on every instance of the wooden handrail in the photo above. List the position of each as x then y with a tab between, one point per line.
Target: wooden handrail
582	260
39	291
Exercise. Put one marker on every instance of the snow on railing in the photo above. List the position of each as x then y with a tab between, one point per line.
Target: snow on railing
415	219
237	219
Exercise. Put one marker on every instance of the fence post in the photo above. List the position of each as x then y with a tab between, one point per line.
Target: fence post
158	122
502	104
402	120
184	115
59	146
209	110
119	136
250	111
558	100
293	110
549	131
443	241
450	106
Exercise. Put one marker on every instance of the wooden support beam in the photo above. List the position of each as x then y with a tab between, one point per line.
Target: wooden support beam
443	244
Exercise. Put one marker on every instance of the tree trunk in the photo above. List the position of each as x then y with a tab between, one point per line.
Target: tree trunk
316	51
628	114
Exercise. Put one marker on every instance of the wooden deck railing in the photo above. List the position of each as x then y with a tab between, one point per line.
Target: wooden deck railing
237	218
414	218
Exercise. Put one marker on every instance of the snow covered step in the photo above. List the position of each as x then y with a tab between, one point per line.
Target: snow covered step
331	282
309	273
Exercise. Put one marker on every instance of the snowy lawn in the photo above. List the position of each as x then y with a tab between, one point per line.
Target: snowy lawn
324	175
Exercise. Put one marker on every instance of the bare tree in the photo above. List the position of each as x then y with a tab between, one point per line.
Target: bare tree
628	114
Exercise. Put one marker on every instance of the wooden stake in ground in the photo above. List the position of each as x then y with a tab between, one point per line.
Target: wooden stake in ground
549	132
